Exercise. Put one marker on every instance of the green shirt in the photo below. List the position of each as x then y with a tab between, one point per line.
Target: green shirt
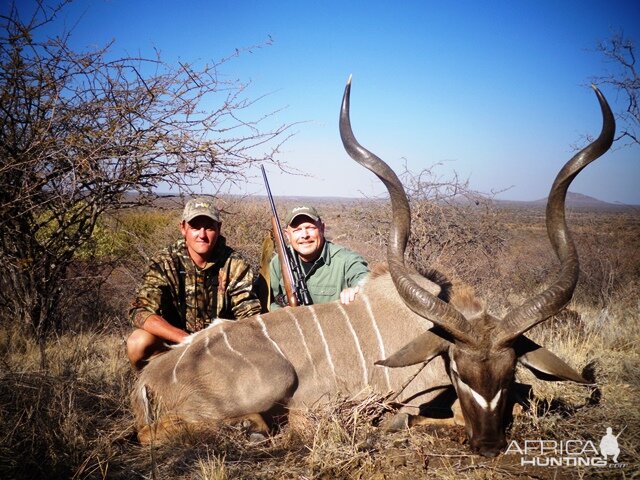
334	270
190	297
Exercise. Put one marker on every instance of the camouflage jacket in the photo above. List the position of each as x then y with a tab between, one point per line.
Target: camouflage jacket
190	297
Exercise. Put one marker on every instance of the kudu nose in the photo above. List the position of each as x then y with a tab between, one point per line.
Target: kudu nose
489	449
489	452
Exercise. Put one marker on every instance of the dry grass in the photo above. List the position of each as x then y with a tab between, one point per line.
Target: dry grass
73	420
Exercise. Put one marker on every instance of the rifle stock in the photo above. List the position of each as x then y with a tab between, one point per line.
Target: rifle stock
287	273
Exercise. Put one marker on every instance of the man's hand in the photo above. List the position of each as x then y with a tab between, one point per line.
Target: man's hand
348	295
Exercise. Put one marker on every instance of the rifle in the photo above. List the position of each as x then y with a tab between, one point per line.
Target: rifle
296	290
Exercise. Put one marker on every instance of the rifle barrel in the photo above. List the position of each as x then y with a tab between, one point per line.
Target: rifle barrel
287	271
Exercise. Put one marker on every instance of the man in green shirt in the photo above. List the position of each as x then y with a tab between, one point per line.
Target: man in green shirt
188	285
331	272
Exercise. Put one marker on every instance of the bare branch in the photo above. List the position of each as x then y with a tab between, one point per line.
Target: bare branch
619	52
82	133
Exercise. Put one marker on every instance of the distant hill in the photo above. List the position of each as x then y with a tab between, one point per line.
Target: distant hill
574	200
580	200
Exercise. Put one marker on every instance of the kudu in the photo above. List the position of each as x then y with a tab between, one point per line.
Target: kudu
295	357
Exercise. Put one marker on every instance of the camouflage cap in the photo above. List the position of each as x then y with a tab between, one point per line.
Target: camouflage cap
200	206
304	210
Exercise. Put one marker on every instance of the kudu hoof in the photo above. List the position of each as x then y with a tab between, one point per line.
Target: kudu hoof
395	423
257	438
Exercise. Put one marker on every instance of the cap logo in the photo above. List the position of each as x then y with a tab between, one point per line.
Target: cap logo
200	206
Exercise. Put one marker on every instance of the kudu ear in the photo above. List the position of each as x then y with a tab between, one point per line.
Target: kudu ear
422	349
544	364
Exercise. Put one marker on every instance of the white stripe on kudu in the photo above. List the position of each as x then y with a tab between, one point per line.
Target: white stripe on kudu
494	403
226	342
468	391
175	367
363	364
244	358
378	335
324	341
304	340
266	334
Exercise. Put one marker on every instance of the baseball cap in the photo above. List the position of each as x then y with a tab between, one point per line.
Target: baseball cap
200	206
304	210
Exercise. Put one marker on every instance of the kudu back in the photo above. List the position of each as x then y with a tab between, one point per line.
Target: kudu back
296	357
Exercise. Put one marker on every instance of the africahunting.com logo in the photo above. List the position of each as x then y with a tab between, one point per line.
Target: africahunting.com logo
569	453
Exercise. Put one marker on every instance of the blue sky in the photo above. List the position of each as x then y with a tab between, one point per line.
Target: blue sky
495	90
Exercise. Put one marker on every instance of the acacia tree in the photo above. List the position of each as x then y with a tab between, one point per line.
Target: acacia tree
82	133
620	52
450	224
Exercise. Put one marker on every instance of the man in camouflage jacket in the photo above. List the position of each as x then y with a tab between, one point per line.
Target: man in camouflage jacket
188	285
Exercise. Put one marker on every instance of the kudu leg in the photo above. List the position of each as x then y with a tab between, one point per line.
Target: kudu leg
456	419
165	428
169	426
